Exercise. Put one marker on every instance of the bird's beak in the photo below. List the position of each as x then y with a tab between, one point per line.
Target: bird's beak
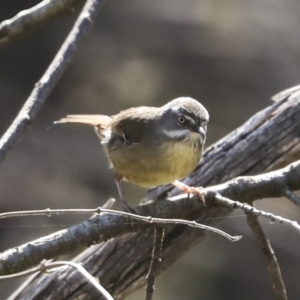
200	130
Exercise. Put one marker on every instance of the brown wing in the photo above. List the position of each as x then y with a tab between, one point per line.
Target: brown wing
131	122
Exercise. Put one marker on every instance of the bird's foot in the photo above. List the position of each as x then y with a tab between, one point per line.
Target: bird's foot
129	209
199	191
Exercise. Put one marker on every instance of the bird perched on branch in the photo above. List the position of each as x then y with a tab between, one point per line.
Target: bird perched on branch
151	146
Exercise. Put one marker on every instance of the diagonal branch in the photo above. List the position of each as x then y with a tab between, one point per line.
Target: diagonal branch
30	20
50	78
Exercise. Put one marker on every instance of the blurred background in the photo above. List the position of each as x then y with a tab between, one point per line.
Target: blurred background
231	55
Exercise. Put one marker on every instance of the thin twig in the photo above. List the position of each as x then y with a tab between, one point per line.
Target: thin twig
158	221
163	221
289	194
273	266
155	261
21	274
30	20
108	204
48	212
50	78
252	210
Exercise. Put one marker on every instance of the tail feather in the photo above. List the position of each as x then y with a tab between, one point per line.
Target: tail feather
99	122
91	120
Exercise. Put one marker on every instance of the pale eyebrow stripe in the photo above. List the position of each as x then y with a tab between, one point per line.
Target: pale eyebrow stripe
190	119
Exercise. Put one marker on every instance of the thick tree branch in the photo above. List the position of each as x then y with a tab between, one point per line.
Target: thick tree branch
51	77
28	21
267	141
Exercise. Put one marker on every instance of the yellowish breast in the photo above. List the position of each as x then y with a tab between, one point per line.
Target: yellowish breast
157	166
182	159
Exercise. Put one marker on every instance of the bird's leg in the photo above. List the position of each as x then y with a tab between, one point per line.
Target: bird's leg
190	189
126	207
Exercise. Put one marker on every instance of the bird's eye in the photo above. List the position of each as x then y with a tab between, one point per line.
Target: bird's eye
181	120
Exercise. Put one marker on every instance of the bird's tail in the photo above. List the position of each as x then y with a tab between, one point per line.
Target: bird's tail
99	122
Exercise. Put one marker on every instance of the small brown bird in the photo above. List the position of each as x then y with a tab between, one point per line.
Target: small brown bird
151	146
